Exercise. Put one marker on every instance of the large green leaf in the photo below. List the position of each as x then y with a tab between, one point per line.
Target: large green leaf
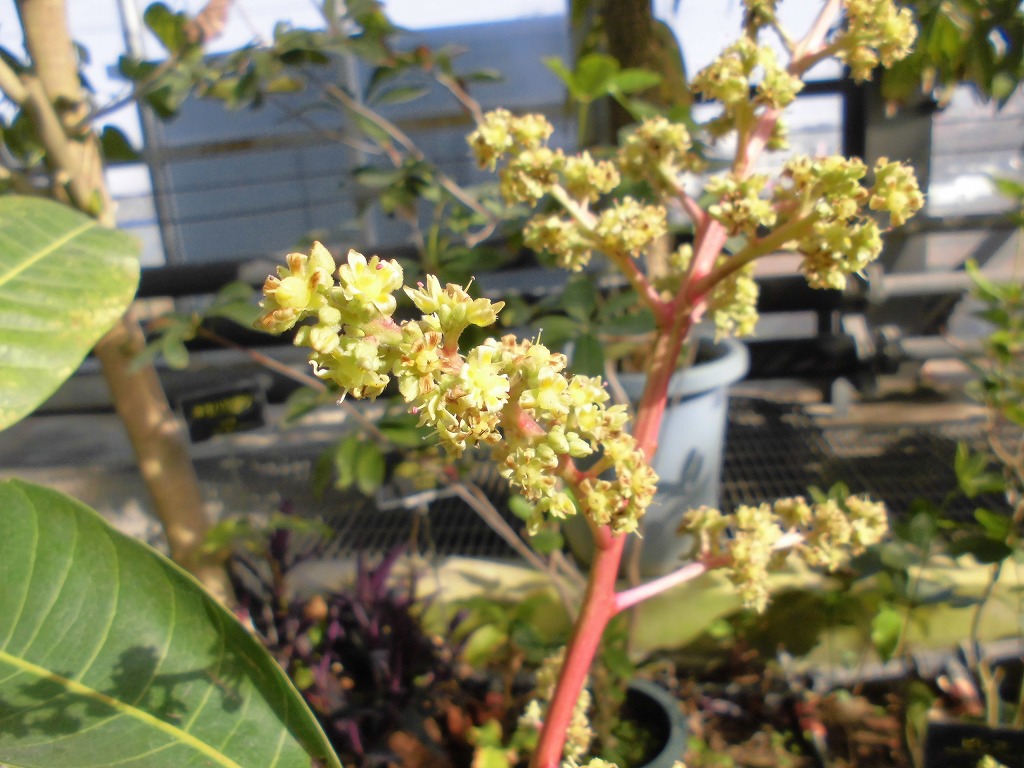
64	281
111	655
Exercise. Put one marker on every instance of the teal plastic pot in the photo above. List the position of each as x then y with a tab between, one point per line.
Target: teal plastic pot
689	455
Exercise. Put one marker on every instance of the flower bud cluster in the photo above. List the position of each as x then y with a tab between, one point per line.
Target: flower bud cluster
841	239
740	207
875	33
512	395
741	68
625	228
503	133
659	152
748	539
758	14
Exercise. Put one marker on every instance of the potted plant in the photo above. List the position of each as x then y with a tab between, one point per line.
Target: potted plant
514	397
511	395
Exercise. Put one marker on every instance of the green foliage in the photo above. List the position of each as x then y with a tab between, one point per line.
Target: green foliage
171	332
64	281
961	41
404	183
598	75
110	654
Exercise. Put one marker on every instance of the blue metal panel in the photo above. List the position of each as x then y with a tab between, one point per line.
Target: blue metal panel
254	182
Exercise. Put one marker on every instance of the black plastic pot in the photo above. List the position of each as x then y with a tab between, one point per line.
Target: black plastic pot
954	744
650	705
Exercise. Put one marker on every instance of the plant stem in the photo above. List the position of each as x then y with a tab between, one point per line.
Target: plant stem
75	164
771	242
598	609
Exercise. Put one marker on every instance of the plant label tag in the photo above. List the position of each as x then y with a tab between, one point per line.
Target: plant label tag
224	411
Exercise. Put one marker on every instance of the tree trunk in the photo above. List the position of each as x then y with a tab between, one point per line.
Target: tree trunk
156	437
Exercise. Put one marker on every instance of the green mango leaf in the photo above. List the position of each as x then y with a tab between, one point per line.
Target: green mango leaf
64	281
346	460
579	297
1007	187
167	26
520	507
886	628
972	473
370	468
400	94
634	79
112	655
547	540
981	547
594	74
483	644
588	356
116	147
235	302
996	526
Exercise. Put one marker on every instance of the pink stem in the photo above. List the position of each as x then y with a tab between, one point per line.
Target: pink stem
630	597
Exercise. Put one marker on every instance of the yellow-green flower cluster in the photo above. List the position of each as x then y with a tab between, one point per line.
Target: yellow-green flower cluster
740	207
628	226
533	168
875	33
741	68
659	152
579	734
748	540
840	239
503	133
510	394
625	228
895	191
564	238
295	293
731	302
572	420
758	14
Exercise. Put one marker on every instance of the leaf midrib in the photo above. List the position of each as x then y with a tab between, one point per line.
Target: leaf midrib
177	734
44	252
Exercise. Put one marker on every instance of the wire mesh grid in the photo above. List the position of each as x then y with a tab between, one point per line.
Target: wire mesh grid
777	449
774	449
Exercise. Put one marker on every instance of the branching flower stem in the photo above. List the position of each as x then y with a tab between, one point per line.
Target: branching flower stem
600	602
763	246
674	319
623	262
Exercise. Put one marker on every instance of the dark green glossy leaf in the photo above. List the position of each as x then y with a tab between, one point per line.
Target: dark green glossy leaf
116	147
112	655
167	26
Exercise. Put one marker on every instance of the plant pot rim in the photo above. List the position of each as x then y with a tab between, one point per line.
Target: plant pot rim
676	737
730	361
